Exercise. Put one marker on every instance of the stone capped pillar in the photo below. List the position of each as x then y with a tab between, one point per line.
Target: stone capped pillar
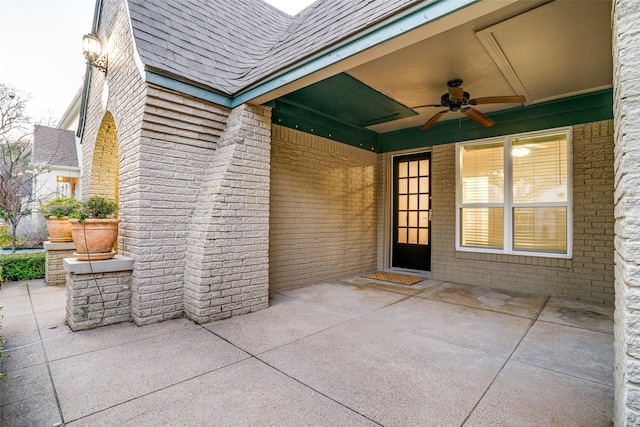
227	260
98	292
626	96
54	273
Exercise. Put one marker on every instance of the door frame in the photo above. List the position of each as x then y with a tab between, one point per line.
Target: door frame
389	200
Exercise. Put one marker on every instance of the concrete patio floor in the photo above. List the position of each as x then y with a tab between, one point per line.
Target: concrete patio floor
344	353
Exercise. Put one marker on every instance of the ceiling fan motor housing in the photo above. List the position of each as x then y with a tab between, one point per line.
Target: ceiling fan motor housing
454	104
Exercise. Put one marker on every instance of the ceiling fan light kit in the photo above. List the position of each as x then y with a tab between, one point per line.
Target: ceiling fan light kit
456	99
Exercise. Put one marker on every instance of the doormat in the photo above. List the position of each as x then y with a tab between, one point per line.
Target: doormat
402	279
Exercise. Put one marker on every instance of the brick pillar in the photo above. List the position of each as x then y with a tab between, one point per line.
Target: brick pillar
54	274
227	260
98	292
626	82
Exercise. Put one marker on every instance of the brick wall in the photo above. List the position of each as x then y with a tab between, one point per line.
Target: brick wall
323	210
626	54
105	164
161	179
227	259
165	140
54	273
588	276
98	299
125	104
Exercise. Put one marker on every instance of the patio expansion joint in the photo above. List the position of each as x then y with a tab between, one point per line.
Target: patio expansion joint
575	327
31	344
155	335
46	358
531	323
257	358
430	298
563	373
149	337
163	388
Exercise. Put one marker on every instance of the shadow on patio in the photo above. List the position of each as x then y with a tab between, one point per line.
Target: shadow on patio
352	352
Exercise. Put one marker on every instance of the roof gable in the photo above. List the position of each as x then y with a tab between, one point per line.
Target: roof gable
54	147
228	46
214	43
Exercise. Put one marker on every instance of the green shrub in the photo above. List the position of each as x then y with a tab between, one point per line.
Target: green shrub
14	267
96	207
5	239
59	207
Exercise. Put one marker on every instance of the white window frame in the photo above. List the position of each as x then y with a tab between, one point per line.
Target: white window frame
508	204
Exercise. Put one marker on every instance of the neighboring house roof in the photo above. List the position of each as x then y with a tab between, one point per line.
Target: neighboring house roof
228	46
54	147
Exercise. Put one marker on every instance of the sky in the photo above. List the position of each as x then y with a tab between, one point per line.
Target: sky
41	50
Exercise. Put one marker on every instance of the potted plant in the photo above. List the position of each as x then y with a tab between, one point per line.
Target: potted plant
94	229
56	211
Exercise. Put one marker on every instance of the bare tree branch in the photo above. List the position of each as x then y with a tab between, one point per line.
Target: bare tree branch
17	173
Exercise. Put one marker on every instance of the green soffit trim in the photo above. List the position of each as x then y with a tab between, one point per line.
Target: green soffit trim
293	116
348	100
591	107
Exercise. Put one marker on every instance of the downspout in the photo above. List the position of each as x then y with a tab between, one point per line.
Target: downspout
87	76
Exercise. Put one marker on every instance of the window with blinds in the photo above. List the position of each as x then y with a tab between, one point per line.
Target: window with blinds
514	195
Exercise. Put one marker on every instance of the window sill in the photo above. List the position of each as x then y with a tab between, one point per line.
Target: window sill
515	259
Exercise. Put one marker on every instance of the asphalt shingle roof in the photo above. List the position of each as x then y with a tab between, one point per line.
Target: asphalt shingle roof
54	147
229	46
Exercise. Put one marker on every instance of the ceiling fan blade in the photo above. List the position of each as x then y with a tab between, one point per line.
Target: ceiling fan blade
417	106
456	92
516	99
476	115
433	119
426	105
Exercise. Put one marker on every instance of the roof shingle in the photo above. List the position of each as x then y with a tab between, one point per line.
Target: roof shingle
54	147
244	41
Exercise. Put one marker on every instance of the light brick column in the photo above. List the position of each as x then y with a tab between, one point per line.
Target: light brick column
54	273
227	260
98	292
626	95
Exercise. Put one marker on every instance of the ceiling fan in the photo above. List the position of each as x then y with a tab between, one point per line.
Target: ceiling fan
456	99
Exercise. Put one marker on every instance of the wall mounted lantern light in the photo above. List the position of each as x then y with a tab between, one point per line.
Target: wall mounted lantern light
92	48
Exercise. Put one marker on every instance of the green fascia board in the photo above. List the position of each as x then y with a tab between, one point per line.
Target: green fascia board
430	12
349	100
188	89
586	108
294	117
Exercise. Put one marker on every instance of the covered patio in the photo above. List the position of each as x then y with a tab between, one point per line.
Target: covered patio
355	351
498	139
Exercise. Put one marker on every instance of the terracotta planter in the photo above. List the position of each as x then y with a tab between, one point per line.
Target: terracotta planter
59	229
94	238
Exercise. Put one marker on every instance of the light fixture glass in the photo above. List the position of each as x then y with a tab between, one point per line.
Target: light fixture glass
92	48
